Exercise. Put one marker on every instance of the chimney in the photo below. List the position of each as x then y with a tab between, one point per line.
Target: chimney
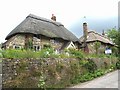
85	33
53	17
103	33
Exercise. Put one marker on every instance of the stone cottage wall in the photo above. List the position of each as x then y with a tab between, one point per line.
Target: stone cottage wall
21	41
17	40
101	49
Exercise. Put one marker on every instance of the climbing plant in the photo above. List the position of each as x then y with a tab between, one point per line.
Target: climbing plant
97	46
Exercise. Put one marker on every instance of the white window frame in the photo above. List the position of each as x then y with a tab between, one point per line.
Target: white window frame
18	47
35	47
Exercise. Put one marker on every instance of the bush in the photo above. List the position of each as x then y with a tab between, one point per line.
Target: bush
90	66
1	54
76	53
118	65
43	53
13	53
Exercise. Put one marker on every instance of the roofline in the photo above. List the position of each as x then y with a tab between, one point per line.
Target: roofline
99	41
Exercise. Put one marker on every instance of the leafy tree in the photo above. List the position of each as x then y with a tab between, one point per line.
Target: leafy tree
113	35
118	38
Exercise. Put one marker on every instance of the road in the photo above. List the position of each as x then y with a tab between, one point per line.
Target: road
109	80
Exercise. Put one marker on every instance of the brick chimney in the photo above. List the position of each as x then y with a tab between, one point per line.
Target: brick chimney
85	33
53	17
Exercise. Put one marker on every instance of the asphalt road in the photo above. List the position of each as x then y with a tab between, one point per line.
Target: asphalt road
109	80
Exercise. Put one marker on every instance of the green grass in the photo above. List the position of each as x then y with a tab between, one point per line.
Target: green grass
44	53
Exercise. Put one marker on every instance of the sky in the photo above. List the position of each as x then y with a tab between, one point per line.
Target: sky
99	14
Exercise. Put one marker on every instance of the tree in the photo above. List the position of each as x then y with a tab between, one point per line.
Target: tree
113	35
97	46
118	43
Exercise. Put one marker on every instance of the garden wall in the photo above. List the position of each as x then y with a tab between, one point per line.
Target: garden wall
104	62
25	73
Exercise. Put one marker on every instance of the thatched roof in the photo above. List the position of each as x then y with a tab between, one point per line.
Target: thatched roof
93	36
38	25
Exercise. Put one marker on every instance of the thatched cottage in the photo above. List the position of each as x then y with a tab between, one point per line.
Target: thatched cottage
90	37
37	32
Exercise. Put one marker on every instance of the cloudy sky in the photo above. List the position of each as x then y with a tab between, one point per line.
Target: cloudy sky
100	14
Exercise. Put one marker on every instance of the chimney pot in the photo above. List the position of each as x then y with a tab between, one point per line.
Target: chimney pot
53	17
85	26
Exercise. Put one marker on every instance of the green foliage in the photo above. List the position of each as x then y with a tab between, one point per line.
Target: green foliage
1	54
90	66
43	53
118	39
115	51
76	53
47	46
113	34
14	53
30	44
88	76
97	46
100	56
41	83
118	65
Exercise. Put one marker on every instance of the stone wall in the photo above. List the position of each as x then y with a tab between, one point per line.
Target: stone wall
104	62
18	72
30	69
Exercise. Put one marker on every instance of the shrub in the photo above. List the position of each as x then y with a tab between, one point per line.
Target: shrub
13	53
76	53
90	66
115	50
97	46
1	54
118	65
41	83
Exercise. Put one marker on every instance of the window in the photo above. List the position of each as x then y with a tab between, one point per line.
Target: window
36	47
54	41
16	47
37	36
